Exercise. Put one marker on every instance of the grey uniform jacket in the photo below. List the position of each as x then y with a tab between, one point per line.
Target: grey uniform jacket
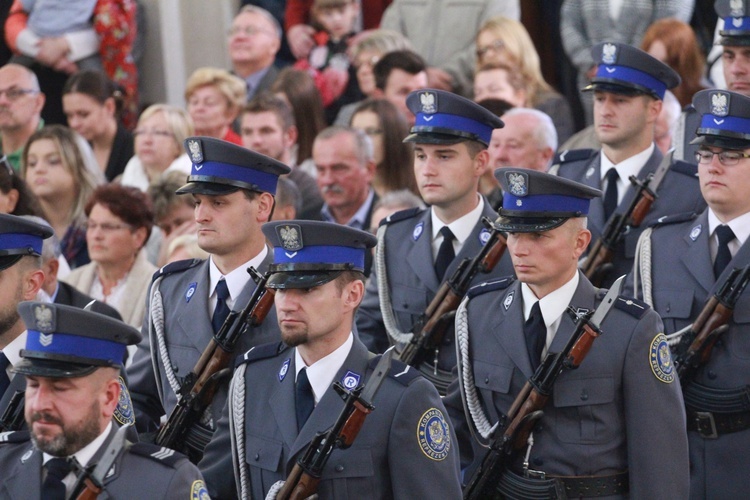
187	327
679	192
388	458
610	414
683	279
144	471
412	280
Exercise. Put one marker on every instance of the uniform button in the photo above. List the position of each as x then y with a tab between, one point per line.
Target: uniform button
712	374
257	457
720	342
669	307
339	468
539	428
538	461
406	306
486	380
584	395
175	368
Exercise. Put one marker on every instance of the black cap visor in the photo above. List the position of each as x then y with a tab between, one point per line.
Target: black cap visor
438	135
53	368
618	87
512	224
7	261
731	38
721	141
300	279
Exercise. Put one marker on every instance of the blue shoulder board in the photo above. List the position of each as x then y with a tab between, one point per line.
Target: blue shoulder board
400	372
402	215
161	454
14	437
570	155
685	168
490	286
175	267
674	219
632	306
263	351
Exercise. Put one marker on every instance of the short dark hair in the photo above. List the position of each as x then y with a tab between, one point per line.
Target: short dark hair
97	86
267	102
405	60
347	277
162	192
126	202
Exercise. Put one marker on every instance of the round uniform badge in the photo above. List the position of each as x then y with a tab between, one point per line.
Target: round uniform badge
433	436
661	359
198	491
124	411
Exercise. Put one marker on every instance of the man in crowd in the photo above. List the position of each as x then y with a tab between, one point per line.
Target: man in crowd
254	40
615	426
21	104
397	74
318	279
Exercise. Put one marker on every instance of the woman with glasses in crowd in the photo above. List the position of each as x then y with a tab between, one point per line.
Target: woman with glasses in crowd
159	136
59	169
214	99
119	221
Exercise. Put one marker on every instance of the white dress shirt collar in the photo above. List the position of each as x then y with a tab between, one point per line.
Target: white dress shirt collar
321	373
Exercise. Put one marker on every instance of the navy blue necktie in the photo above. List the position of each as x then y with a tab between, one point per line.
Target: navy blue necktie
4	379
304	400
535	332
723	255
53	488
446	254
222	309
610	196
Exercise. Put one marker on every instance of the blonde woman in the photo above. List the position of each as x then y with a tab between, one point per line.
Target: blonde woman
214	98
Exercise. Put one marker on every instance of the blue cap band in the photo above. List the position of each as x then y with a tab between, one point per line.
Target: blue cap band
730	123
546	203
14	241
321	254
454	122
76	346
632	75
730	27
265	181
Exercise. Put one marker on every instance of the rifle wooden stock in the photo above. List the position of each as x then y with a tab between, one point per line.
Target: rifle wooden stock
91	492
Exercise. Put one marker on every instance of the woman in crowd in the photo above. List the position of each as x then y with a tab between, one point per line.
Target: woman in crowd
505	41
214	99
385	126
92	105
15	196
674	43
119	223
499	81
159	136
59	174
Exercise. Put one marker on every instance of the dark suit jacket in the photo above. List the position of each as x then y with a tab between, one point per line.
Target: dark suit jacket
70	296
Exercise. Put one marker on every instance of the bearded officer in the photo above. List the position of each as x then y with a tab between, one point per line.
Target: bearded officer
72	362
319	282
615	425
691	259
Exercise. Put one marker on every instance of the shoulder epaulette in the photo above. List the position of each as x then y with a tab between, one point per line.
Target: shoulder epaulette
263	351
14	437
175	267
490	286
685	168
161	454
673	219
401	372
634	307
573	155
402	215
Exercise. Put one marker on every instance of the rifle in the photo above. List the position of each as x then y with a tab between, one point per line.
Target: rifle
305	476
13	418
526	409
698	341
598	262
90	484
428	331
200	385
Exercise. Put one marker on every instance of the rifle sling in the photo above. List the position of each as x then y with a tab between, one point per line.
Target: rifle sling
512	485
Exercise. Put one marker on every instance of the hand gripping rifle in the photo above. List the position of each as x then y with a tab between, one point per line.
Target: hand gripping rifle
428	331
526	410
698	341
200	385
90	484
305	476
598	262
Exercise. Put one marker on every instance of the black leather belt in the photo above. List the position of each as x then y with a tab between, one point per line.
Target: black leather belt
513	486
711	425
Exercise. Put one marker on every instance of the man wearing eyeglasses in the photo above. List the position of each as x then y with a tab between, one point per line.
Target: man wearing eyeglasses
691	257
254	40
21	104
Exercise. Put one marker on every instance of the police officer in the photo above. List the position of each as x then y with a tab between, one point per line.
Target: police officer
233	188
71	361
691	258
619	416
405	448
628	90
419	249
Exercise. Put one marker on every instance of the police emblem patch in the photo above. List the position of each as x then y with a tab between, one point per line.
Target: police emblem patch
719	103
417	232
44	319
518	183
590	172
196	152
433	435
26	456
737	8
190	291
508	300
428	101
695	232
660	359
350	380
124	410
484	236
284	369
198	491
609	53
290	236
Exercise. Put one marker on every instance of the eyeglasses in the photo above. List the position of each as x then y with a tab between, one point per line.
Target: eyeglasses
106	227
726	158
369	62
152	132
372	131
495	46
245	30
14	94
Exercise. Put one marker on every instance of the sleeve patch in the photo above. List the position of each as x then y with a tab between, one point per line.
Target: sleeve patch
433	435
198	491
124	411
660	359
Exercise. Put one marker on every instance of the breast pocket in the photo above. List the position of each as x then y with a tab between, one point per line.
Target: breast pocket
493	377
675	308
585	411
408	304
263	453
349	474
738	340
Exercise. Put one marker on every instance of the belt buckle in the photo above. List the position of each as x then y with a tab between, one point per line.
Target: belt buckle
705	422
534	474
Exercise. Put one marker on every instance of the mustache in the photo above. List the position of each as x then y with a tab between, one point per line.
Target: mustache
333	188
46	417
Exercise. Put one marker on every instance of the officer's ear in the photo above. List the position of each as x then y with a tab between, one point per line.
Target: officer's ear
353	293
265	206
653	109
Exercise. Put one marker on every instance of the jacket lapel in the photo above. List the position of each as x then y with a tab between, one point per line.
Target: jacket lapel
509	329
282	404
193	316
697	258
420	256
583	298
25	480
